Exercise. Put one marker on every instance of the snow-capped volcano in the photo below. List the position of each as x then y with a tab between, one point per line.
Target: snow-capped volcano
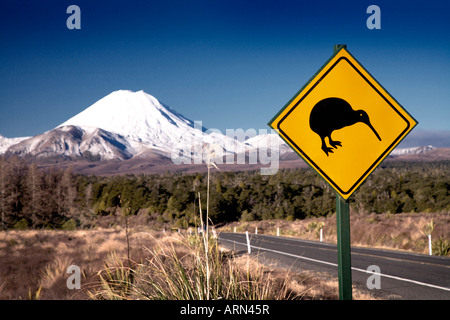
150	126
123	125
136	116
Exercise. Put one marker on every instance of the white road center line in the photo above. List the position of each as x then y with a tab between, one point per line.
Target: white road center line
335	265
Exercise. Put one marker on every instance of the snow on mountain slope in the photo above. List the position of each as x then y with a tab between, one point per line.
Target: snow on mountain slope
266	140
5	143
150	125
136	116
413	150
72	141
125	124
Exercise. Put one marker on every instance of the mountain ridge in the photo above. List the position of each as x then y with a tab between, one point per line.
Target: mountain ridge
127	125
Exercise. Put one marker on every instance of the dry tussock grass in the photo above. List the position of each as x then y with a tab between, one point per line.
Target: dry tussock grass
34	264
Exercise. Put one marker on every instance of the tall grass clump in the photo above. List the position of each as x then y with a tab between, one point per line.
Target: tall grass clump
441	247
183	270
190	268
116	280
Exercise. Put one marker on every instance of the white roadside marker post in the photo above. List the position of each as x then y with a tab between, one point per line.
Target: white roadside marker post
248	243
429	245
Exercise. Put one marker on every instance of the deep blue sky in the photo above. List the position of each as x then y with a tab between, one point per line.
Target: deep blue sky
229	63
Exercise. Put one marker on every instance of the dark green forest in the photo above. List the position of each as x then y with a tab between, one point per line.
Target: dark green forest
56	198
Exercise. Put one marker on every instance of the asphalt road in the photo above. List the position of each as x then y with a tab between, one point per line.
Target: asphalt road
402	275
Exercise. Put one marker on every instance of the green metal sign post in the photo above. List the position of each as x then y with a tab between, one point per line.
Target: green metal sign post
343	247
343	237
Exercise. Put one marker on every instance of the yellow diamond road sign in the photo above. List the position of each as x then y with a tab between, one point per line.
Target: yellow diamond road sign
343	123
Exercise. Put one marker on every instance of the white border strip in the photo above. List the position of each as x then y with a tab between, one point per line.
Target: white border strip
353	268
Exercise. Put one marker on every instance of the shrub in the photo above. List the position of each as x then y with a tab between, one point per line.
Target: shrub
22	224
247	216
441	247
70	224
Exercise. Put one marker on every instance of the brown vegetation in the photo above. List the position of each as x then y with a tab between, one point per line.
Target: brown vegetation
34	264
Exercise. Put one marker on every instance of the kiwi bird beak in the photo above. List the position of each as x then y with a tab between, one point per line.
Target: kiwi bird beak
373	129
